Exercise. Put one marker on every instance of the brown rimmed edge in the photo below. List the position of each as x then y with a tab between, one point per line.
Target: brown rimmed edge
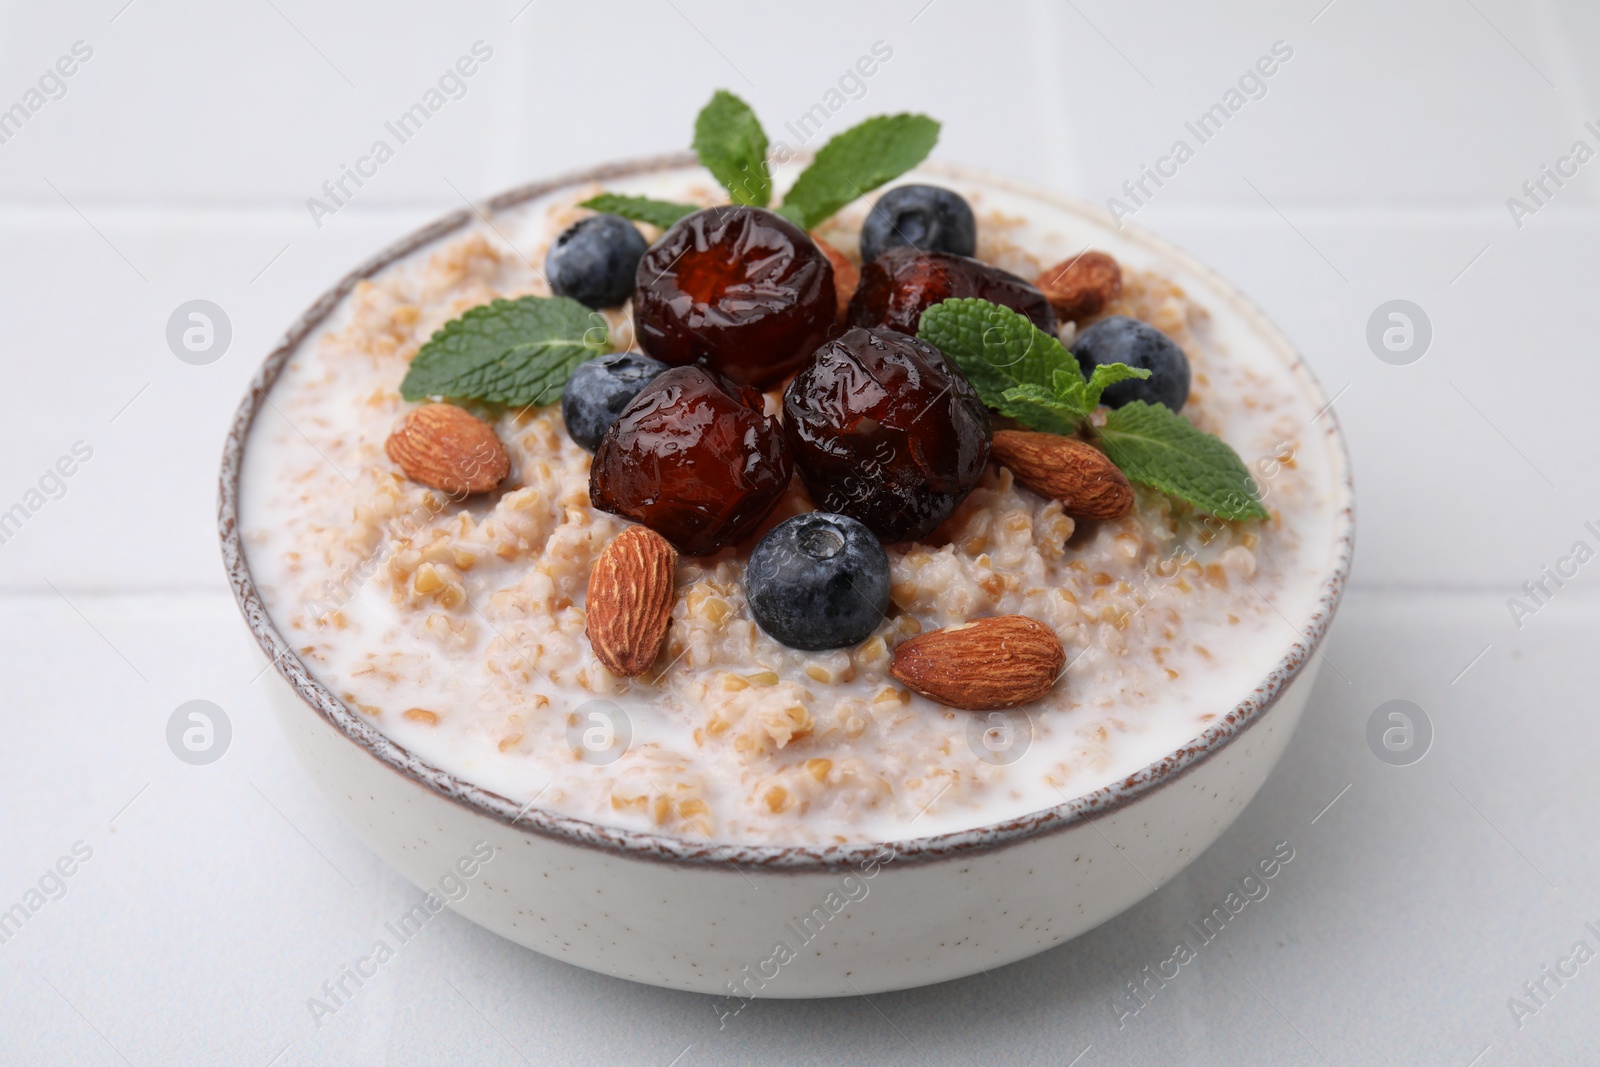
657	847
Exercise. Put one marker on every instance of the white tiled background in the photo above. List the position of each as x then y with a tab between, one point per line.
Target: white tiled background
1377	166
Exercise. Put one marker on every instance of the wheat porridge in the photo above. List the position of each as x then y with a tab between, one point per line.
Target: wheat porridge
459	624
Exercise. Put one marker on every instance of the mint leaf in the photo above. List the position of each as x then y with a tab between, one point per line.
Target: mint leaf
1067	379
1065	406
1038	407
515	352
658	213
995	347
731	144
1156	447
1017	368
857	161
1072	390
1108	374
794	213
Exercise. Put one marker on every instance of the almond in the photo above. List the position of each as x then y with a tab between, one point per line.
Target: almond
631	590
983	665
846	275
1074	472
445	447
1080	288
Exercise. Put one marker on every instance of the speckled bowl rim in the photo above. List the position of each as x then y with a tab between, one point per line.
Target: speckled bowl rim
796	858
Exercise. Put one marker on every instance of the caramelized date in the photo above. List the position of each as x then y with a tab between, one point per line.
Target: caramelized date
741	290
887	431
902	283
693	458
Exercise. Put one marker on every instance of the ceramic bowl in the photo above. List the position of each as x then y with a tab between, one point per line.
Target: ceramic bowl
773	921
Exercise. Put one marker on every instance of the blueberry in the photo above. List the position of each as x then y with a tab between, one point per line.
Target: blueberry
600	388
1119	339
922	216
594	261
818	581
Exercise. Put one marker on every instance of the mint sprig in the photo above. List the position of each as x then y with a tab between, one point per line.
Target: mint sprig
1017	368
857	161
658	213
1027	374
514	352
1038	407
1072	391
1154	446
731	144
996	347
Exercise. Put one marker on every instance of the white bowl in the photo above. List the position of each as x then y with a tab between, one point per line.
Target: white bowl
775	921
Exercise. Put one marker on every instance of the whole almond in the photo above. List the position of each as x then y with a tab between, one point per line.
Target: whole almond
984	665
1074	472
445	447
1080	288
846	275
631	590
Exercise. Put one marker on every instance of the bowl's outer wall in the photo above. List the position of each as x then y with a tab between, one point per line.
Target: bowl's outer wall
716	928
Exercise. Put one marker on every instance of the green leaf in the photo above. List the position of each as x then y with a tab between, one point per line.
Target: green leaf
995	347
857	161
658	213
1038	407
515	352
1156	447
1017	368
1068	378
1072	389
795	214
1108	374
731	144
